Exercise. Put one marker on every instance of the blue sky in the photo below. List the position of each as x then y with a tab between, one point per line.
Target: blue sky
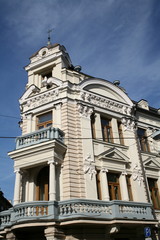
110	39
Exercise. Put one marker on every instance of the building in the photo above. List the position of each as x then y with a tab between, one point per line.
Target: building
4	203
87	164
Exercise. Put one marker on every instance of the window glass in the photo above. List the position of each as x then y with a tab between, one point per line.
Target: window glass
154	192
93	126
99	192
128	180
106	130
44	120
121	139
114	187
143	141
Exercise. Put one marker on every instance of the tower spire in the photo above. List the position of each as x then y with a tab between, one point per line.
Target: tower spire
49	36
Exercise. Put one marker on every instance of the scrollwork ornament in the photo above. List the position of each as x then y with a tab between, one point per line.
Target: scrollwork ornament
129	123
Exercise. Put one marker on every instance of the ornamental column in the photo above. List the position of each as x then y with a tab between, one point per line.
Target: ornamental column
52	180
17	187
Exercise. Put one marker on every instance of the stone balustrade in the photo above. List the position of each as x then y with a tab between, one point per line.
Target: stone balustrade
39	136
76	209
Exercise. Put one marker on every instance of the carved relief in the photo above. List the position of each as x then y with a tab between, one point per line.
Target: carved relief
42	99
105	103
88	167
129	123
137	174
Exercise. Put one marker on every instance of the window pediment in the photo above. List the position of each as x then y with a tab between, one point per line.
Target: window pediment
31	90
151	163
115	155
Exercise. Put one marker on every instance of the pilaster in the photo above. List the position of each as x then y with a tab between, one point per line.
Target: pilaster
124	189
88	155
104	180
17	186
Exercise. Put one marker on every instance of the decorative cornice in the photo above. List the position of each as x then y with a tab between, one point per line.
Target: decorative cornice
106	103
41	99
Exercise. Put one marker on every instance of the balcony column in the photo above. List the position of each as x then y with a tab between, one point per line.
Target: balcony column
52	180
17	186
105	190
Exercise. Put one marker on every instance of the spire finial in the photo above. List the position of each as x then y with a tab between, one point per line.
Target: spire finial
49	36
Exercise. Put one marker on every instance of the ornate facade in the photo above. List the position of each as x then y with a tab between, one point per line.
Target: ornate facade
87	164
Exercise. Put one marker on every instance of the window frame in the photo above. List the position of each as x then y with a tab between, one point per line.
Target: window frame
107	134
112	185
155	199
93	129
120	133
44	124
98	184
129	187
143	140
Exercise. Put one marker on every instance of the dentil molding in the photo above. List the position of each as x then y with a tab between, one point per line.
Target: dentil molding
106	103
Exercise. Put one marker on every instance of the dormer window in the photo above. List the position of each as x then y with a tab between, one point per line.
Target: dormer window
44	120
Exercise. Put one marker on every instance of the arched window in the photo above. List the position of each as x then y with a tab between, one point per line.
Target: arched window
42	185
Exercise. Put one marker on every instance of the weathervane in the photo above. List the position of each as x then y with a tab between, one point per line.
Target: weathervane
49	36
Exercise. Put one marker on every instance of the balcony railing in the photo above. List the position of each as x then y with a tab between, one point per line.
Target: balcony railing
39	136
76	209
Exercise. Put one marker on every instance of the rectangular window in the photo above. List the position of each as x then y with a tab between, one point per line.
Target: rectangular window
154	192
98	180
93	126
44	120
114	187
121	139
106	130
142	137
128	179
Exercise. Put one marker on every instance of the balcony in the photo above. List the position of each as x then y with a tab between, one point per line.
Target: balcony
39	136
76	209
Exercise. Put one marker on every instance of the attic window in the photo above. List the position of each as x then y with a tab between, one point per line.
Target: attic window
44	53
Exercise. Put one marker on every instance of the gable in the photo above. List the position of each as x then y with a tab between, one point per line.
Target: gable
115	155
32	89
151	163
107	89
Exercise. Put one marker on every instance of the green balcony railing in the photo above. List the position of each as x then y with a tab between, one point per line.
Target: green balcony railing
76	209
39	136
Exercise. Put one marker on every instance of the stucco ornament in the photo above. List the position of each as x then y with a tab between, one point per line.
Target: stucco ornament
104	170
129	123
88	167
84	110
105	103
137	174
